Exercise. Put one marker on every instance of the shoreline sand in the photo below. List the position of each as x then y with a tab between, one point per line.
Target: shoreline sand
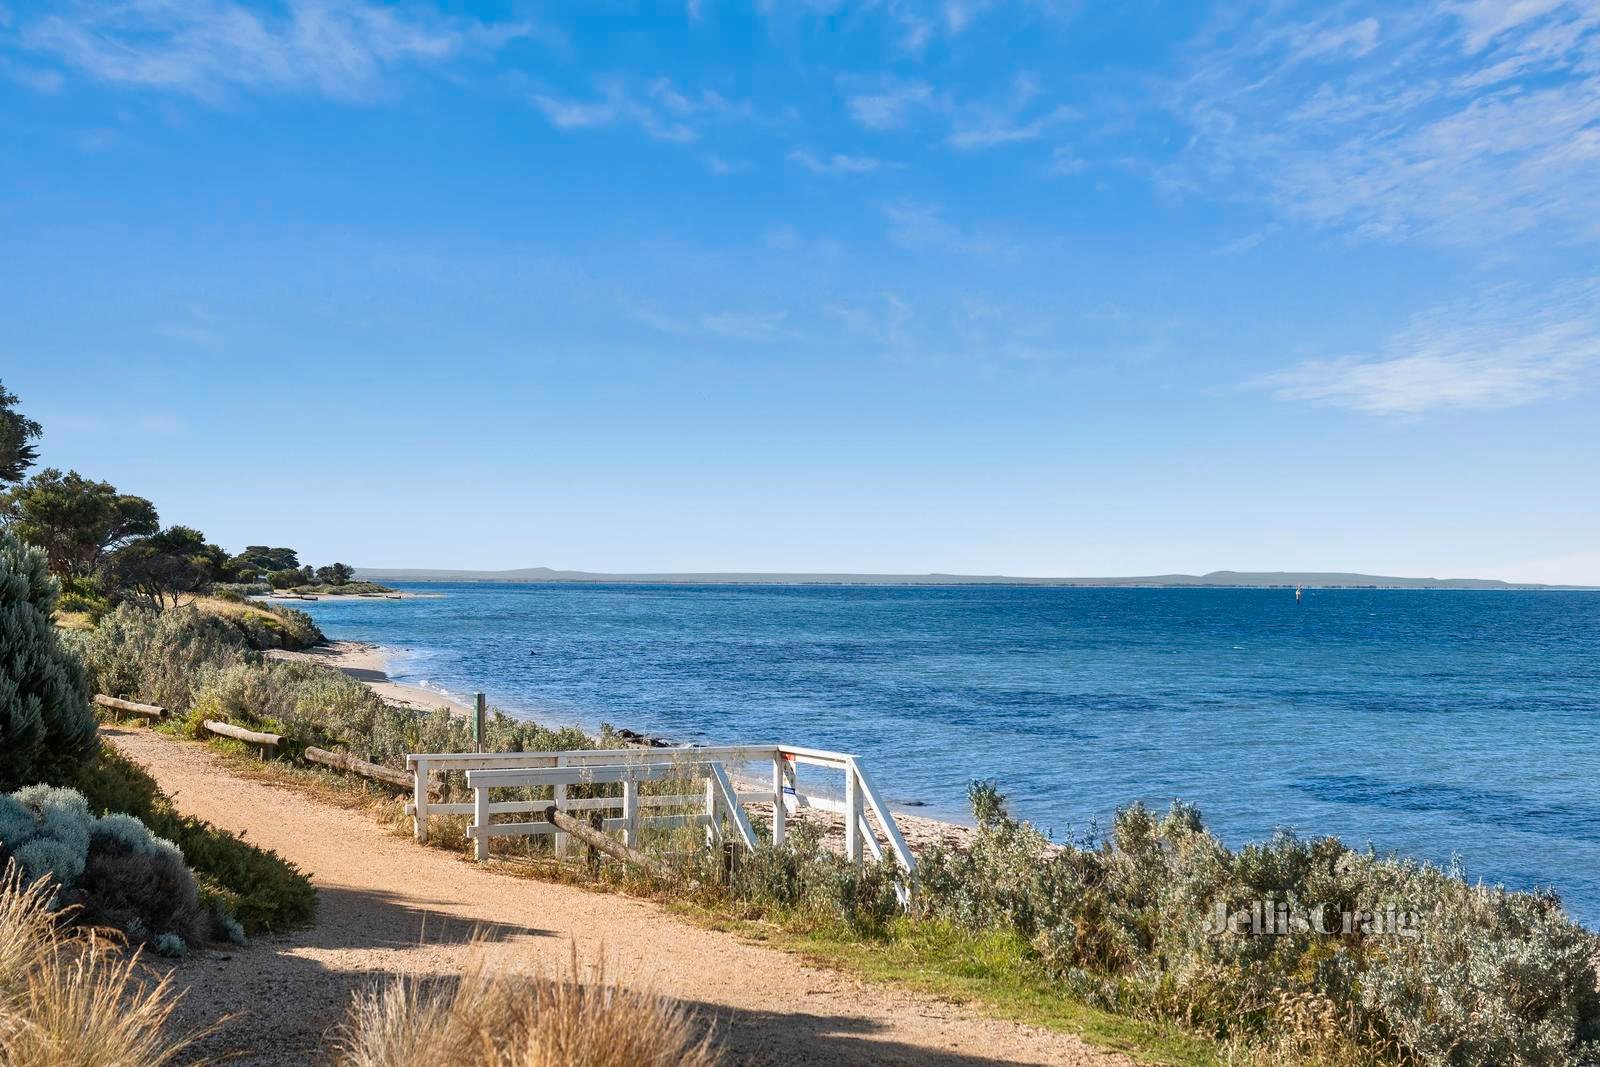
368	663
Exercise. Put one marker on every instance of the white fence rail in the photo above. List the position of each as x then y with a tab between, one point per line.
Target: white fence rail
722	803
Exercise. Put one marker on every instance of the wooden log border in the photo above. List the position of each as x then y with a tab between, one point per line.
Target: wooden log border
130	707
346	762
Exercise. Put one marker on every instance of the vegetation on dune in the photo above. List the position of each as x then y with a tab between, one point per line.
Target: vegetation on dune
498	1018
200	667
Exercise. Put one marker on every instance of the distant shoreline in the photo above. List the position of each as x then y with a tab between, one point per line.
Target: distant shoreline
1214	580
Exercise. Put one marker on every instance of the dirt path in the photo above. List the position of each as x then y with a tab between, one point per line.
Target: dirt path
388	905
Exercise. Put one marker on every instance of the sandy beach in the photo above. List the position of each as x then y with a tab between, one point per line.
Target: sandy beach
368	663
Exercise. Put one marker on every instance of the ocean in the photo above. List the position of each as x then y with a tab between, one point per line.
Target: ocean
1452	726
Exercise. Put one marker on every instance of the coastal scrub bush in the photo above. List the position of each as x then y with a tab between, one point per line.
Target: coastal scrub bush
159	658
71	998
486	1017
813	886
1151	922
111	868
245	889
46	726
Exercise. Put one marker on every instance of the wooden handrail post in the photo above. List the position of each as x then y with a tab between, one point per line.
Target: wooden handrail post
630	814
780	815
558	795
480	823
852	814
480	720
419	801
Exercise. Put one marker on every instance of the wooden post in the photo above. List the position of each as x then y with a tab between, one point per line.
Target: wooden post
852	815
480	720
713	827
480	820
630	814
779	815
558	794
419	801
599	842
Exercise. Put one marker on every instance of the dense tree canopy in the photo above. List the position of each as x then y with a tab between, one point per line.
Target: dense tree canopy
76	521
260	559
16	453
46	726
335	574
165	567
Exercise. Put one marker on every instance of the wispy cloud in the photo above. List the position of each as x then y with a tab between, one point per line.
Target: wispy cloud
1461	123
1011	118
208	47
835	163
890	104
918	224
659	108
1503	349
731	325
1012	115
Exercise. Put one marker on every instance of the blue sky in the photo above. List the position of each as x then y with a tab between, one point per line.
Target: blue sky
1027	288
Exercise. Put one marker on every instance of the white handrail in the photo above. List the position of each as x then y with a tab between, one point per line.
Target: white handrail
629	766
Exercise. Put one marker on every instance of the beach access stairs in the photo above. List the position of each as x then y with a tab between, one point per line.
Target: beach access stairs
722	783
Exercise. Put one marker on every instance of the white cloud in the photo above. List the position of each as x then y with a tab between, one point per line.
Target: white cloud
836	163
883	320
752	326
890	105
989	129
1464	124
207	47
659	108
1501	350
744	325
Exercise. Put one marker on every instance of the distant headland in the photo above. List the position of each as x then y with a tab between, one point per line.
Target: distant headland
1215	579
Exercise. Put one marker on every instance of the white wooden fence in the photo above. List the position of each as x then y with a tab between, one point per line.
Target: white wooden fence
722	804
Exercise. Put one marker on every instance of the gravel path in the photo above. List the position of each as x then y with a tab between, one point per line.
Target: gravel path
388	905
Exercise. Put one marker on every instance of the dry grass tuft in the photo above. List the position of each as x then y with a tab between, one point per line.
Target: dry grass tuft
485	1018
74	1000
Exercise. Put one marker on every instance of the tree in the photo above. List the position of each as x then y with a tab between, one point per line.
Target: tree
77	522
167	566
46	726
285	579
16	454
335	574
261	559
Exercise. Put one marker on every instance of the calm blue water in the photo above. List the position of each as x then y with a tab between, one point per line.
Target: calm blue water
1434	723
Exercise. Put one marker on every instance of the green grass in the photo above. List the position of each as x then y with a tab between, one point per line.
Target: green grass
989	970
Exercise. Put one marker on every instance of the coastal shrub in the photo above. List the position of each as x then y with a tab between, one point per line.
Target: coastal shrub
244	889
1430	968
46	726
814	886
492	1017
70	998
111	868
157	658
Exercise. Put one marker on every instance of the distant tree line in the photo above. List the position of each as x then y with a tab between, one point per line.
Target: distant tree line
106	546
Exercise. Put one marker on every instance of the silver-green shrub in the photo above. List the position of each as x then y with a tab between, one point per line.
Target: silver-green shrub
1481	977
112	869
